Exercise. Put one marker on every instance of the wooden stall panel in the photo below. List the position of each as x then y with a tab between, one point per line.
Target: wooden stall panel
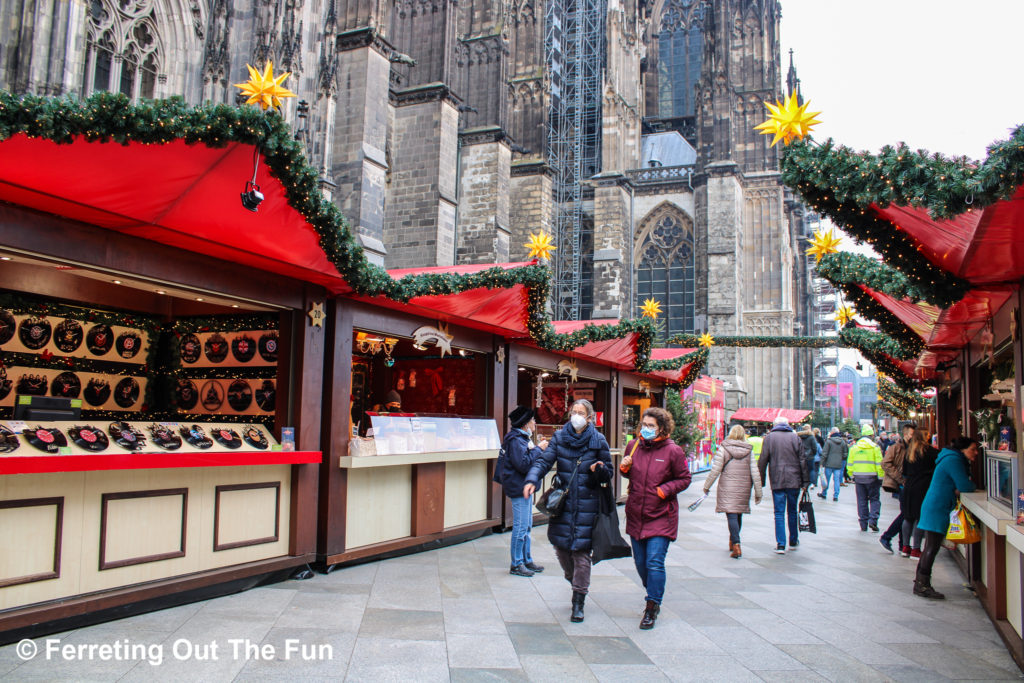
1013	589
139	527
31	531
28	537
379	505
246	515
465	485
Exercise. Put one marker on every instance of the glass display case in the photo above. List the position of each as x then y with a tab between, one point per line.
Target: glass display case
1001	477
399	434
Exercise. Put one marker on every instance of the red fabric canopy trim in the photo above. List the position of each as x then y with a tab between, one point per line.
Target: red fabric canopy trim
673	376
616	353
769	414
181	195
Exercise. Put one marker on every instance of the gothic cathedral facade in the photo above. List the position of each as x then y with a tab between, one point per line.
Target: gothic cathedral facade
448	130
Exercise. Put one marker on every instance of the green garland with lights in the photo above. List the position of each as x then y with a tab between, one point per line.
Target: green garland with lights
758	341
862	339
894	394
696	368
892	326
849	268
676	363
895	411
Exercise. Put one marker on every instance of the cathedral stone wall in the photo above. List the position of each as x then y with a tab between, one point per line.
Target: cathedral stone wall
484	187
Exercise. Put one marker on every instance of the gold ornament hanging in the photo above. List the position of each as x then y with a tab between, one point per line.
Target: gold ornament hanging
788	120
824	243
845	315
706	340
263	89
540	246
651	308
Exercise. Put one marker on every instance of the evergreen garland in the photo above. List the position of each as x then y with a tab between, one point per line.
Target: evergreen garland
849	268
759	341
676	363
909	400
868	340
885	406
895	328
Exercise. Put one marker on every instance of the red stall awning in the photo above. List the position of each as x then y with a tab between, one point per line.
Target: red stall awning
182	195
497	311
769	415
619	353
670	354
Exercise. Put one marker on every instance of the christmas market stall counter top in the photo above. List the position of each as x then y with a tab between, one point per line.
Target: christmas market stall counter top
1015	537
996	517
357	462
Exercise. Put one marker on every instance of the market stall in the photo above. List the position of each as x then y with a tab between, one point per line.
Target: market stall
159	366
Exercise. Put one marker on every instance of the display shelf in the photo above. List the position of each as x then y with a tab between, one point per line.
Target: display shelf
993	515
150	460
359	462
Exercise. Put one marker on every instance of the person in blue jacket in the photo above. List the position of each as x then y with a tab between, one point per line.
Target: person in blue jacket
950	476
520	452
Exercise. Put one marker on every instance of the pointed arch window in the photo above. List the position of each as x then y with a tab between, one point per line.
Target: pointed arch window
680	50
124	52
665	271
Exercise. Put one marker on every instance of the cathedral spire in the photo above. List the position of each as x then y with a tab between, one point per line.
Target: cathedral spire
792	82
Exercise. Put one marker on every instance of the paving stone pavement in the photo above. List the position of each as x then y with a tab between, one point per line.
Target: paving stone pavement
839	609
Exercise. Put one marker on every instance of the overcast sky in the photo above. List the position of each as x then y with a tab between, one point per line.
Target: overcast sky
936	74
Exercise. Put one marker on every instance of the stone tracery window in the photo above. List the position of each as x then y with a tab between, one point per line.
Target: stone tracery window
680	45
665	271
124	53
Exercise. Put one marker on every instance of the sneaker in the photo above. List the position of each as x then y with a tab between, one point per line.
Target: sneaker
844	484
535	568
915	553
822	496
905	551
780	549
795	545
874	528
836	499
887	544
520	570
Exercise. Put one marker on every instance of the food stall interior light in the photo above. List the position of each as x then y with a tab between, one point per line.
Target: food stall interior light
5	258
199	298
116	282
160	291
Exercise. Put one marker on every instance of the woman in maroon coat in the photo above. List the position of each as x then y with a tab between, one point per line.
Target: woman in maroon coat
657	471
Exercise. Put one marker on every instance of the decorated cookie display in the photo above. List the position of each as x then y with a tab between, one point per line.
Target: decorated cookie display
190	348
126	436
240	395
227	437
8	326
99	339
66	385
34	333
126	393
33	385
97	391
266	396
47	440
212	395
254	437
216	348
88	437
243	348
69	335
8	440
128	344
5	383
268	347
195	436
164	437
186	394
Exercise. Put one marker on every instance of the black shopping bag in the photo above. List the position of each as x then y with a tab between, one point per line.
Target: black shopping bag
806	510
608	543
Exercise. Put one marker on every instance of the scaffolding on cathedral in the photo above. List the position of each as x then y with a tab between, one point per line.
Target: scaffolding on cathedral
575	55
823	305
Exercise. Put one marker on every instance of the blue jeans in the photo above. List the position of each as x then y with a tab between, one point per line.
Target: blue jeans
735	524
784	501
815	468
834	475
869	504
649	556
522	522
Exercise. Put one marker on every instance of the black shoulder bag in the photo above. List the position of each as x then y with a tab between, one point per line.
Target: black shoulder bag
552	501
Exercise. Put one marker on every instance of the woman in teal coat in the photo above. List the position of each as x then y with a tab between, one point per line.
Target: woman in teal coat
950	476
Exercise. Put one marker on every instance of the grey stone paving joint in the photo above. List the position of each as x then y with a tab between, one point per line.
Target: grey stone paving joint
839	609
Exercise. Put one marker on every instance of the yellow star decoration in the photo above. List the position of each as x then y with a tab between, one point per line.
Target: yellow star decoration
263	89
540	246
845	315
788	120
651	308
706	340
824	243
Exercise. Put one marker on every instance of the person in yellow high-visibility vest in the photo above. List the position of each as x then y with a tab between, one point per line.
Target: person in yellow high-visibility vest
865	466
755	445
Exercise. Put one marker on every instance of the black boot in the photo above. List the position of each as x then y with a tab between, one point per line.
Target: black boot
577	607
650	615
923	587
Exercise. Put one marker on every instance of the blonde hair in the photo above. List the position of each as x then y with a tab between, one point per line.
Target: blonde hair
737	433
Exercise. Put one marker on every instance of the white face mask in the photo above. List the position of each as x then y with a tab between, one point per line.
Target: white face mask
578	421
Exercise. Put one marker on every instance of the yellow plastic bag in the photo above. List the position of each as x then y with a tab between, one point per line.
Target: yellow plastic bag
963	528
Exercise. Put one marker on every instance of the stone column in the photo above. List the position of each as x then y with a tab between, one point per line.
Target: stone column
358	162
420	215
723	203
484	183
613	227
531	208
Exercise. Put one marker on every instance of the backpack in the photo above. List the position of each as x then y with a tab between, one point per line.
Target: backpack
499	466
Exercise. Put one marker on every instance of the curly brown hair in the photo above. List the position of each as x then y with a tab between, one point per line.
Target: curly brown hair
664	419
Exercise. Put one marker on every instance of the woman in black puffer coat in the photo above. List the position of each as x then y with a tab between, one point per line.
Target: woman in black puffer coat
571	531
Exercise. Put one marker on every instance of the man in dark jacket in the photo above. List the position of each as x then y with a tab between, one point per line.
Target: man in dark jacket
510	471
810	451
782	457
833	459
892	465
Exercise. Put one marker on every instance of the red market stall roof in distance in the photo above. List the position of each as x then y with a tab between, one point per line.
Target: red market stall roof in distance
498	311
769	415
669	354
181	195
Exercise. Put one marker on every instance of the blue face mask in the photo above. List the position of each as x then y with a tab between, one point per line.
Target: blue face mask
648	432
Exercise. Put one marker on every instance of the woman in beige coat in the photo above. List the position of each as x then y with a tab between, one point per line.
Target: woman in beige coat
738	471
